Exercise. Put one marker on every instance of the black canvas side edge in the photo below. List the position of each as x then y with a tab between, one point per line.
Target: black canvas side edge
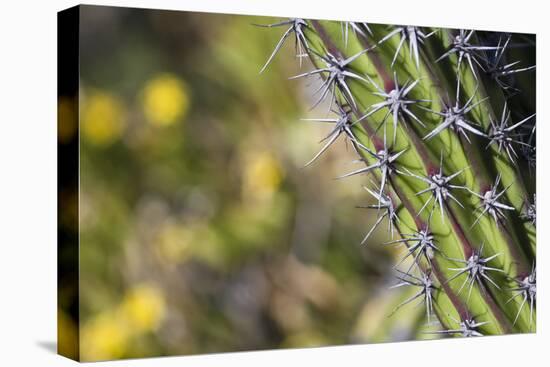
68	328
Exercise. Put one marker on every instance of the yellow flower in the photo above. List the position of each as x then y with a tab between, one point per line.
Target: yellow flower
143	307
165	100
110	334
263	175
103	118
104	337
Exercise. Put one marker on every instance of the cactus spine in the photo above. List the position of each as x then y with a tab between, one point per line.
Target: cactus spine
444	122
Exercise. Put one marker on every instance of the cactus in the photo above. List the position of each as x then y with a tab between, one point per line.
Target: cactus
443	121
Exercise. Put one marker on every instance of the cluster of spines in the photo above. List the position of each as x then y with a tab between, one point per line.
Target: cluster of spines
502	133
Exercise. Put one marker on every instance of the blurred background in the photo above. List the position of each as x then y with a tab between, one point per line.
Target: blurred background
201	230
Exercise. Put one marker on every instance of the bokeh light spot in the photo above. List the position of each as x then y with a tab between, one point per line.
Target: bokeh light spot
103	118
262	175
165	100
144	307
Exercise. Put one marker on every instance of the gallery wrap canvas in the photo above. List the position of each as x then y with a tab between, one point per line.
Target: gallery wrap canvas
234	183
